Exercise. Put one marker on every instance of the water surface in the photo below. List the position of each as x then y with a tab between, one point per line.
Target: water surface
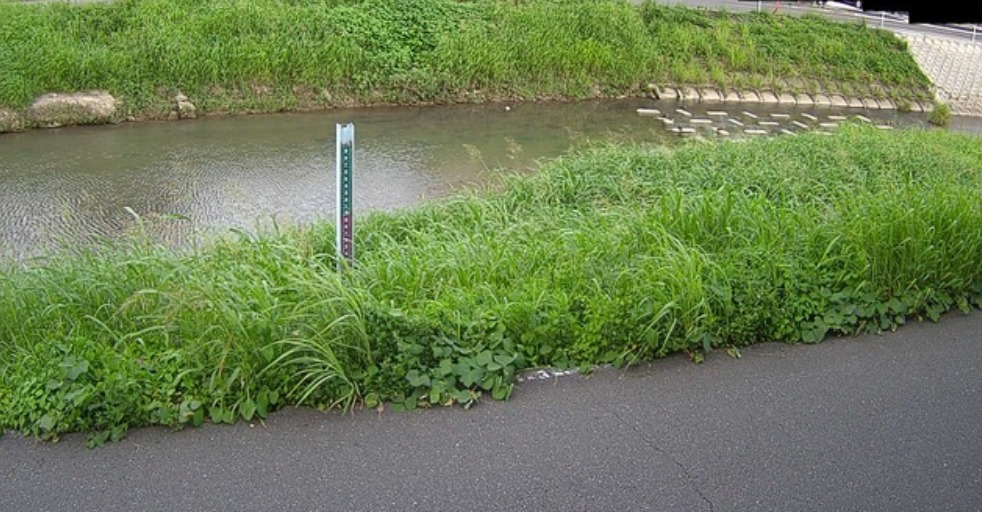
74	185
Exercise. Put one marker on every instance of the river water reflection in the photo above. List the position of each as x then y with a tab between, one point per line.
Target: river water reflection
76	184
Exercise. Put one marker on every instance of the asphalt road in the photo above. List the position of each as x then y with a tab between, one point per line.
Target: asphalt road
876	423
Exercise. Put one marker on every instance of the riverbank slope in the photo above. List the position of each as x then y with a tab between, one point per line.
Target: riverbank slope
160	59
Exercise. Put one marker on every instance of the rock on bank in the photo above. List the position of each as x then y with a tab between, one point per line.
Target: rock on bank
62	109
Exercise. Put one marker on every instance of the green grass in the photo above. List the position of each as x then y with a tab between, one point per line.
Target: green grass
271	55
941	115
610	255
779	48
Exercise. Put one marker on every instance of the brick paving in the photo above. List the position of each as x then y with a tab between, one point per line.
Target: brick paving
955	68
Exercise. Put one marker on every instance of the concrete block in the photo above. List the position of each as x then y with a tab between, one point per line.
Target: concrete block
688	94
667	93
804	99
768	97
822	100
711	96
750	97
871	104
683	130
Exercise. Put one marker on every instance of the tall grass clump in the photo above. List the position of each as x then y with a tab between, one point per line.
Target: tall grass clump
941	115
610	255
272	55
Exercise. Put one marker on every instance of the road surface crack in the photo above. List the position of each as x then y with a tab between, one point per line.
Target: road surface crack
689	477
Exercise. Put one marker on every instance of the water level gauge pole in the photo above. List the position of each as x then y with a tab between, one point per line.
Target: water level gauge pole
344	222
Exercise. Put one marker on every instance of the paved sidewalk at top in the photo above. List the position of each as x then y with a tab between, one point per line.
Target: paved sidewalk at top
954	67
875	423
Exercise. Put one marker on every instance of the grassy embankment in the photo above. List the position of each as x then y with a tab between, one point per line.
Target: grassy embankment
272	55
613	254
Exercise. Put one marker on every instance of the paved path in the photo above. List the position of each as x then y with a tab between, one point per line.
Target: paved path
877	423
955	68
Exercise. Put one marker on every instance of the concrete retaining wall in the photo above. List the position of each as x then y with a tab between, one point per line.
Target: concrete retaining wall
712	95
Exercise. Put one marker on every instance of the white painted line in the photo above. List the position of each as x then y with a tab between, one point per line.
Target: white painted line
788	132
699	120
780	116
684	129
723	132
684	112
755	132
734	121
768	123
717	113
648	112
799	124
829	125
667	120
751	115
837	118
808	116
884	127
863	118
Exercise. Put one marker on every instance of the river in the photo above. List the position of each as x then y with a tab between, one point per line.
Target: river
74	185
